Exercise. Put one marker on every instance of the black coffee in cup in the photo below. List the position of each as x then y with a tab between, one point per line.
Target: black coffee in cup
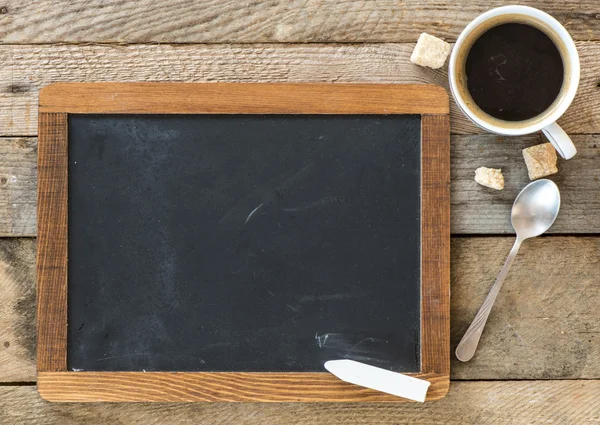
514	72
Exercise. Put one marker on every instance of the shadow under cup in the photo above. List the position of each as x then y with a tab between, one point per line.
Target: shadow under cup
459	86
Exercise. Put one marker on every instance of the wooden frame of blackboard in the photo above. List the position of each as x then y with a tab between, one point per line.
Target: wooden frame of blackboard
57	101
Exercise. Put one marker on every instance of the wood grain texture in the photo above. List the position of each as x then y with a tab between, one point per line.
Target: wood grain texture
210	21
435	244
467	403
543	326
17	310
224	386
18	180
475	209
52	246
25	69
243	98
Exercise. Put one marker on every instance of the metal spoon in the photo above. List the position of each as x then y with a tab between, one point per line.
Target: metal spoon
533	212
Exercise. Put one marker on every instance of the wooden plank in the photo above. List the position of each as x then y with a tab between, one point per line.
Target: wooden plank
52	249
225	21
245	98
28	68
475	209
17	310
217	386
491	402
18	182
545	324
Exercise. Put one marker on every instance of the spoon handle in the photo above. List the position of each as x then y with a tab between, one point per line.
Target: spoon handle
468	344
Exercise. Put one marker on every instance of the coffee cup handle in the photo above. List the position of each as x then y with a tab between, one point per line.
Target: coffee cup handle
560	140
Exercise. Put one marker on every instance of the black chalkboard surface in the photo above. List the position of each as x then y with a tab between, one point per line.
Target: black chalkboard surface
221	241
243	242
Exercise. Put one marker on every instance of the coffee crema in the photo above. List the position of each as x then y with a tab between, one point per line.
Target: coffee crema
514	72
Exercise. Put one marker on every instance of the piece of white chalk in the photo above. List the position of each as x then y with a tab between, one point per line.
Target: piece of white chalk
379	379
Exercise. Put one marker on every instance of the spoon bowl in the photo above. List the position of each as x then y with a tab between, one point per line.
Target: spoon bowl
535	209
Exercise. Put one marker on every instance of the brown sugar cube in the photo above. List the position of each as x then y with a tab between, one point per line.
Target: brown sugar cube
540	160
490	177
430	51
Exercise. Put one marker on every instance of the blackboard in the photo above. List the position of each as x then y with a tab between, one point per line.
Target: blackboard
243	243
246	242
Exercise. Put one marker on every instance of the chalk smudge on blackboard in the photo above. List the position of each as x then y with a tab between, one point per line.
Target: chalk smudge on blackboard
252	213
346	341
332	297
295	309
315	204
321	339
121	356
267	195
318	298
355	347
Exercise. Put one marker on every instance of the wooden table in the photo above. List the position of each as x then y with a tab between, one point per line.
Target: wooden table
539	359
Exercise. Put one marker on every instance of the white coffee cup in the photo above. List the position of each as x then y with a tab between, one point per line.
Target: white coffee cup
546	121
